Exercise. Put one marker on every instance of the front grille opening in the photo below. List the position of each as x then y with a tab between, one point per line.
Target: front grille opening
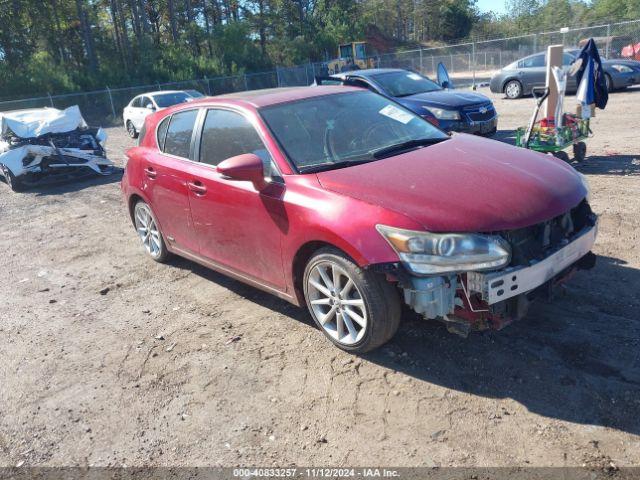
480	113
536	242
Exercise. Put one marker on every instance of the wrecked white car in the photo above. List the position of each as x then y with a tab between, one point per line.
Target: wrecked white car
46	145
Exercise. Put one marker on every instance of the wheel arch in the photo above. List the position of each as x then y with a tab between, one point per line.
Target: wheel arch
300	260
509	79
132	199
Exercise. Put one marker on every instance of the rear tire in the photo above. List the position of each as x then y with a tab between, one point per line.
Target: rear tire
131	130
361	312
149	232
513	89
14	183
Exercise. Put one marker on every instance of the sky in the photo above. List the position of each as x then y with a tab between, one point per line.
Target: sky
497	6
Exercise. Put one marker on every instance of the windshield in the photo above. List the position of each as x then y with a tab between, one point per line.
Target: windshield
164	100
343	129
194	93
403	84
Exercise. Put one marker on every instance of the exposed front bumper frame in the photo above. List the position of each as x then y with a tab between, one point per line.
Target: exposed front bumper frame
498	286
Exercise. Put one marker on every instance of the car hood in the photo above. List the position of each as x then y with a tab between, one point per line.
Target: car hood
444	99
465	184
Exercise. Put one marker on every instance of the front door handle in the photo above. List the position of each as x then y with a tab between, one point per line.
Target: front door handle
150	172
197	187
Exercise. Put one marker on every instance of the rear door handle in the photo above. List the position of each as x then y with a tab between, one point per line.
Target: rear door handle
197	187
150	172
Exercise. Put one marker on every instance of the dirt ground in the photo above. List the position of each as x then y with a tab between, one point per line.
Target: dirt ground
107	358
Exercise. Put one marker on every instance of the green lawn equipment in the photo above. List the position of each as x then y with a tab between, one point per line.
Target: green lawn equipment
545	137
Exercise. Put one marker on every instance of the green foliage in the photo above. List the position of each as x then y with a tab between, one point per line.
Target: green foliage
61	46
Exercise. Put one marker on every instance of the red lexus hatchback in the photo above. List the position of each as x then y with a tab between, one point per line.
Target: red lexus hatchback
345	201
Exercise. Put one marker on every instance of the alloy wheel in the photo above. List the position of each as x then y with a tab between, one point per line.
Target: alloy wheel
147	230
336	303
513	89
131	130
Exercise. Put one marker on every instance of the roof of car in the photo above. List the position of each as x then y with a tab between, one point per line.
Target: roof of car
369	72
274	96
159	92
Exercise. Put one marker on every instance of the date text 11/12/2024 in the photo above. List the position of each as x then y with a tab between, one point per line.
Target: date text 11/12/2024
315	472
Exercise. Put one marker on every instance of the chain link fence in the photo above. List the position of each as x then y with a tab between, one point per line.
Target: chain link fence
468	63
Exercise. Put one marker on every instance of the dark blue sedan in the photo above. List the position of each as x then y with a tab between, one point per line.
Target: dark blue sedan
451	110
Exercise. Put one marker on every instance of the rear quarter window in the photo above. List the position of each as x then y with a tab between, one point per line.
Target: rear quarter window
179	133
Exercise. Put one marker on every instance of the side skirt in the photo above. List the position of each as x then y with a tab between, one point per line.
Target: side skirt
205	262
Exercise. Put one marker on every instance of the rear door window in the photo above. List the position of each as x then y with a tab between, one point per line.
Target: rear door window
179	133
533	61
145	102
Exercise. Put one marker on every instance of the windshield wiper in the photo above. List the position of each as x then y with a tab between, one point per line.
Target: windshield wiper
405	146
416	93
321	167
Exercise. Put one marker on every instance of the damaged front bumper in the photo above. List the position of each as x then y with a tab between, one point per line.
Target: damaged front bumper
494	287
490	300
32	164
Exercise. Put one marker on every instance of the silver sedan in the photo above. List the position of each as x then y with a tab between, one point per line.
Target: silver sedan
518	78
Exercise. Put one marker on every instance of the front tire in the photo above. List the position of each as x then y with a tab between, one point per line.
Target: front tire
609	82
149	232
14	183
356	309
513	89
131	129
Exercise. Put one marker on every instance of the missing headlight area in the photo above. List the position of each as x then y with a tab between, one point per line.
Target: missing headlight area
542	256
46	145
534	243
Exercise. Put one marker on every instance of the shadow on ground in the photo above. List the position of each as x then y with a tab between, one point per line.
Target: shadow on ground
570	360
73	185
506	136
614	164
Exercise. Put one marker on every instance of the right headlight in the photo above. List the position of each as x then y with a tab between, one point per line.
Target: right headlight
442	114
428	253
622	68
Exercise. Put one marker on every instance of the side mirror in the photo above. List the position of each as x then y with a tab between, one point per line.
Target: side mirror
247	167
150	107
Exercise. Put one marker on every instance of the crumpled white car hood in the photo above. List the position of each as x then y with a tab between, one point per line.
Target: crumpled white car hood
40	121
